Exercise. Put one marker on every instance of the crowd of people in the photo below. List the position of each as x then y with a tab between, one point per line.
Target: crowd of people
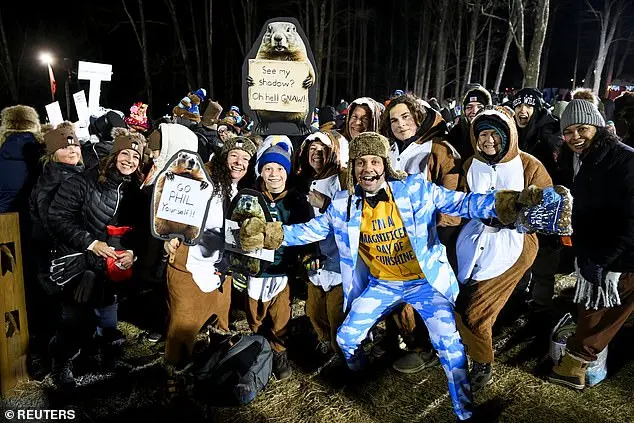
400	211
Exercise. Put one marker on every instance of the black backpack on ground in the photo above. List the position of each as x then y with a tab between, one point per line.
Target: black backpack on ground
232	373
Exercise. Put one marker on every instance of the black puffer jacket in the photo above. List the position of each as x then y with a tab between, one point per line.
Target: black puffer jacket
603	207
542	138
43	193
83	207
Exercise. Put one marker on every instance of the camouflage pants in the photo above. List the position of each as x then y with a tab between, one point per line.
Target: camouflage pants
379	298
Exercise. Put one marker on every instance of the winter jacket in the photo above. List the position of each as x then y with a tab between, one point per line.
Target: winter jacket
603	208
53	175
292	208
429	152
418	201
542	138
19	169
486	249
209	142
83	207
459	137
101	127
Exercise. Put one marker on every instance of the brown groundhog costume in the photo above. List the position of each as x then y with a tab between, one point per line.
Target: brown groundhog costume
481	300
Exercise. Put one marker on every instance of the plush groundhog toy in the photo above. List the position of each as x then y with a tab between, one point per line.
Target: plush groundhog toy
282	42
247	204
187	165
188	108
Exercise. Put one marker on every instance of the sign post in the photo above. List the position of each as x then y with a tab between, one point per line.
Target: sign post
95	73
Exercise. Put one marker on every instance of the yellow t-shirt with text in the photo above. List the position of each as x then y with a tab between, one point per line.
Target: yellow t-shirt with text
384	245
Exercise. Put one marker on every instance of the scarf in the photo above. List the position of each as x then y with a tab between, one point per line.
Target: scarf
603	295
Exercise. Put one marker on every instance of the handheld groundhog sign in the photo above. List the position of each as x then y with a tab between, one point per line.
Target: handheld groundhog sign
181	198
280	83
247	203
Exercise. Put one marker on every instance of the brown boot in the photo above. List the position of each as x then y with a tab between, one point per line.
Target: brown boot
570	371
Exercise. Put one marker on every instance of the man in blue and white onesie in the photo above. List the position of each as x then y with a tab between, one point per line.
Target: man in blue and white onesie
389	222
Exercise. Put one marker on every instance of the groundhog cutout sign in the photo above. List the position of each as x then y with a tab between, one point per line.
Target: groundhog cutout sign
280	82
181	198
247	203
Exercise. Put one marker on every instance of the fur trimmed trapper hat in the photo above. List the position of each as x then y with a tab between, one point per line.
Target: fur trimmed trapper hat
370	143
19	118
60	137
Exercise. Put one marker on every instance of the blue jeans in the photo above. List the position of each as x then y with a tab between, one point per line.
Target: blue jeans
379	298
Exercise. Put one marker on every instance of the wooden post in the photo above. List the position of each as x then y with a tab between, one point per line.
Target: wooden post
14	337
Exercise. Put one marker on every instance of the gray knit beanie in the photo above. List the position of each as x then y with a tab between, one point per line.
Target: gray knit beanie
581	112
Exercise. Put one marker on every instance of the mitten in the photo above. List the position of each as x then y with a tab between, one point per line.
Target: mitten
591	271
508	203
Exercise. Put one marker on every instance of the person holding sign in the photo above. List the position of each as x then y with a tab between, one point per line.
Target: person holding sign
492	257
385	229
87	217
197	288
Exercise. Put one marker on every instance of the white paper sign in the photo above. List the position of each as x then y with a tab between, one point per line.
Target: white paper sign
277	85
232	243
183	201
81	105
94	71
54	113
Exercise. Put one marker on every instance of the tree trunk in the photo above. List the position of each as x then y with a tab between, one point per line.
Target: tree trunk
441	51
141	37
545	55
6	65
607	80
608	20
587	80
428	70
326	71
208	43
471	43
505	54
457	44
199	64
626	52
181	45
531	76
485	68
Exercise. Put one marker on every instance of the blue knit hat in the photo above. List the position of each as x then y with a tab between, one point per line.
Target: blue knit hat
278	153
484	123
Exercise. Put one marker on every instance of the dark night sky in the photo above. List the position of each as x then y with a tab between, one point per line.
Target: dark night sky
85	31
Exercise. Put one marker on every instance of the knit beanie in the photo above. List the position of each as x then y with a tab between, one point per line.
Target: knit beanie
211	114
581	112
154	140
124	139
492	122
278	153
60	137
477	93
370	143
238	143
326	114
530	96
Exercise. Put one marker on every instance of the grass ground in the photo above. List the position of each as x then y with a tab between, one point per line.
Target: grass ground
519	392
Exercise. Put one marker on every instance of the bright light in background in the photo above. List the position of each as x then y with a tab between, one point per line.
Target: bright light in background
46	58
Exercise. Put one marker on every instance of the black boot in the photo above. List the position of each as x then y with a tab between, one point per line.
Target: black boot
61	367
281	366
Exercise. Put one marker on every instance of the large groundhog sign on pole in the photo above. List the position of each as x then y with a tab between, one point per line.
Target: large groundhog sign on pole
280	83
